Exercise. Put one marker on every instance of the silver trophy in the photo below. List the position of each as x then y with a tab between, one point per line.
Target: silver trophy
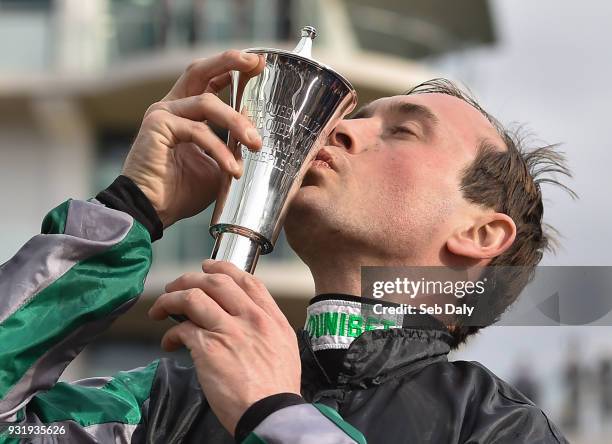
294	103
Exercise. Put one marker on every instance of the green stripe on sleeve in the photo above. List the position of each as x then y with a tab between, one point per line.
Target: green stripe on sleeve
119	400
335	417
4	435
252	438
55	221
6	439
90	290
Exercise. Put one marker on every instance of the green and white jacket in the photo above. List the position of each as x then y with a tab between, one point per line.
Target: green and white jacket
63	288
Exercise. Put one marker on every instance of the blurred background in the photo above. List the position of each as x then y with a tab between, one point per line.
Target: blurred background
76	77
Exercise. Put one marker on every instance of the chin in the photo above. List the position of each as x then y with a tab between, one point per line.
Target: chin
308	197
305	222
301	211
308	205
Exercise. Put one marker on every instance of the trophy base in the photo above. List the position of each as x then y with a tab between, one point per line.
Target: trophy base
240	250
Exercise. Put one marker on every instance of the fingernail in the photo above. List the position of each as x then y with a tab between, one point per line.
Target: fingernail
248	56
233	166
253	135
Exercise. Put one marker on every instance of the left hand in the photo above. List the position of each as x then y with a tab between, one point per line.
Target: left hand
242	346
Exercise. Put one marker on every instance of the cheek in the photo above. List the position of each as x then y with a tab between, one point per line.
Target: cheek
415	189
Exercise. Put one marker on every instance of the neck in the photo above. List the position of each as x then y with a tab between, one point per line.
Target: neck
336	277
336	269
341	273
335	262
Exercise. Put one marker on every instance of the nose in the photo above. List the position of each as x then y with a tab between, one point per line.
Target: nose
344	136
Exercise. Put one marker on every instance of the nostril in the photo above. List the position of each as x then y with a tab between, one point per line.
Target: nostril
344	140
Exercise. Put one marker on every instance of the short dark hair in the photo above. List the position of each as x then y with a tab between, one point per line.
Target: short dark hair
509	182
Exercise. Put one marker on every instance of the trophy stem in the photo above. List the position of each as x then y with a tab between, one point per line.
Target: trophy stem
237	249
240	250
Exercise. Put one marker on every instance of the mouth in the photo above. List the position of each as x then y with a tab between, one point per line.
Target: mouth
323	159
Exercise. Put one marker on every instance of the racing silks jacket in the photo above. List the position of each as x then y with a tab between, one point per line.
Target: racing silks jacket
66	285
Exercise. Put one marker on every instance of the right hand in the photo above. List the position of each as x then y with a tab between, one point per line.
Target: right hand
167	159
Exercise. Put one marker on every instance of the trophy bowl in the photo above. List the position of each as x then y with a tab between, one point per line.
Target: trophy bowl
294	103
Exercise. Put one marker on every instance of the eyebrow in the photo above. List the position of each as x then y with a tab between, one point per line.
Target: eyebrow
419	112
407	110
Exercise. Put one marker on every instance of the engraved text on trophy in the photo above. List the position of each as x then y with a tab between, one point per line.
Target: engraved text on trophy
283	131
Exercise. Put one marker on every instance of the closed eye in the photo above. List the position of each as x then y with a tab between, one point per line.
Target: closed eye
402	130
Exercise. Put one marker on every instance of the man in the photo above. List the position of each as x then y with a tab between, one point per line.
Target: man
421	179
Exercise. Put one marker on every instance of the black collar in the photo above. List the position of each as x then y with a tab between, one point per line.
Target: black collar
375	355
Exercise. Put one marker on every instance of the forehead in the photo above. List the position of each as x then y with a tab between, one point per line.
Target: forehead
456	118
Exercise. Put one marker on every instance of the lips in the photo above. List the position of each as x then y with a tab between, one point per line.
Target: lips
323	159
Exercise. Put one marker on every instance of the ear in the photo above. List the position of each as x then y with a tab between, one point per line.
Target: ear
489	236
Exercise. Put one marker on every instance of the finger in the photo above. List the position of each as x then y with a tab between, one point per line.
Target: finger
182	130
218	83
252	286
222	289
194	304
184	334
197	76
207	106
